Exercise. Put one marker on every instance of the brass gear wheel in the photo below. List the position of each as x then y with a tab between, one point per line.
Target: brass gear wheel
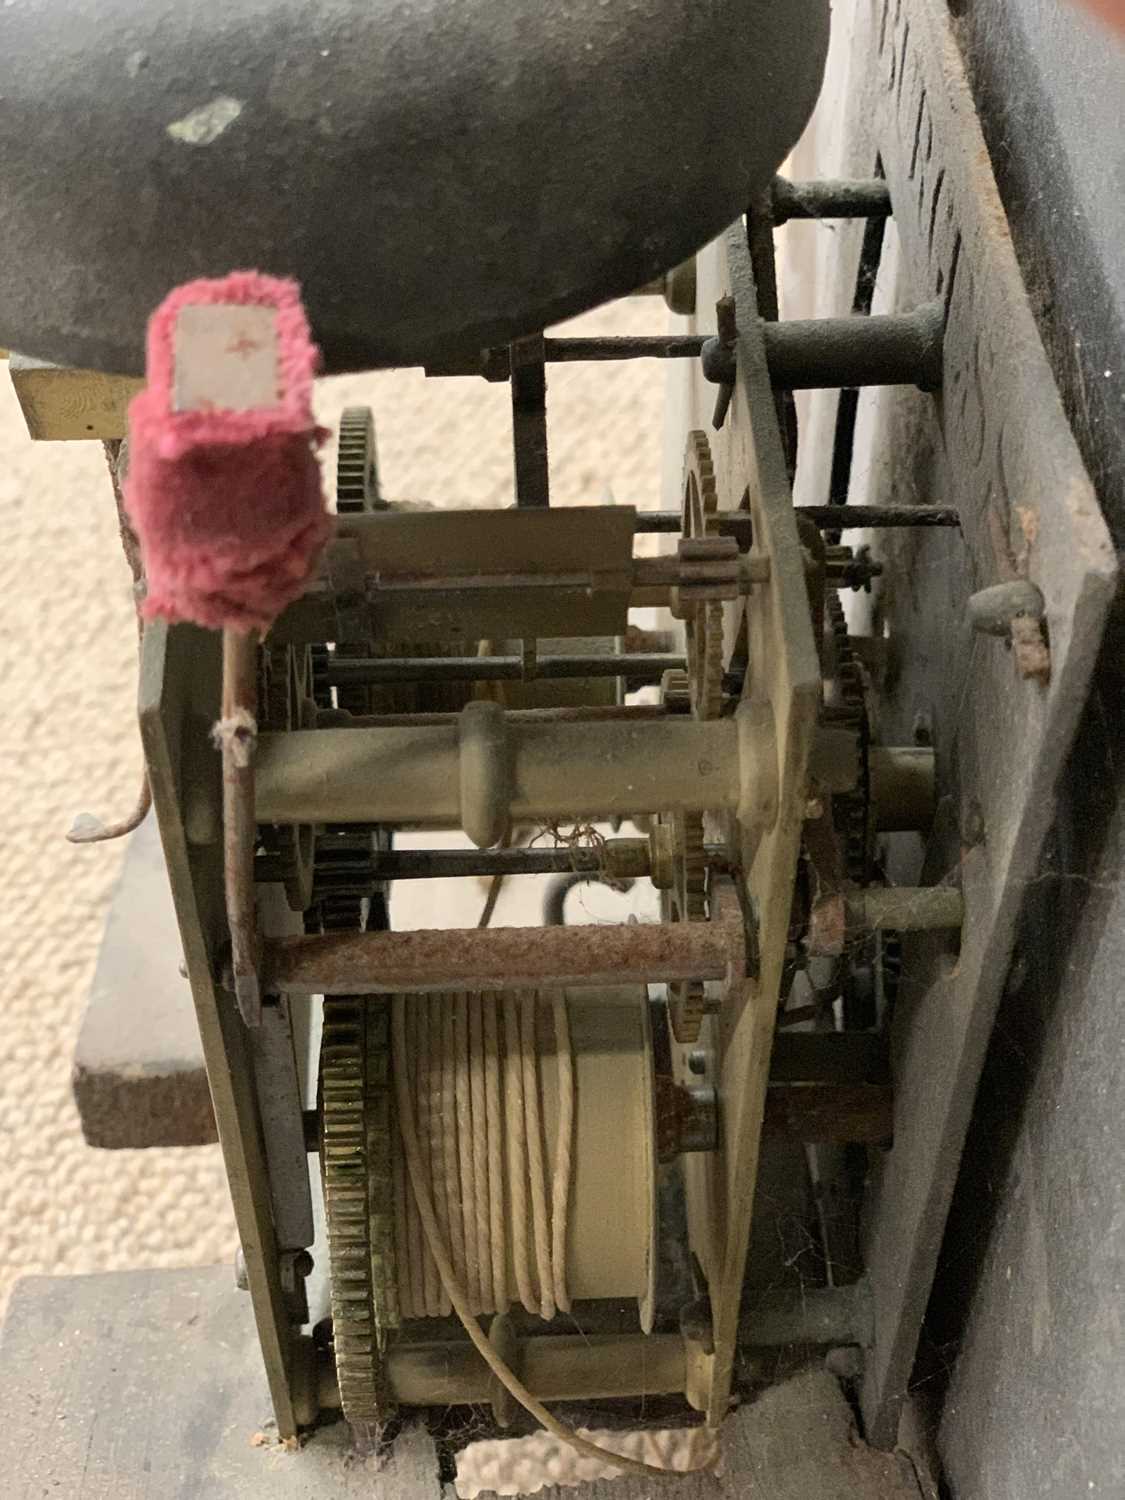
704	624
356	1164
853	813
347	894
687	902
357	466
690	889
853	808
357	491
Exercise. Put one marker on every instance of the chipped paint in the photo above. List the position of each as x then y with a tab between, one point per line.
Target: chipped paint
207	123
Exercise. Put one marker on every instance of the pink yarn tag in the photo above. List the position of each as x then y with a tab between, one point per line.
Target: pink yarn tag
223	484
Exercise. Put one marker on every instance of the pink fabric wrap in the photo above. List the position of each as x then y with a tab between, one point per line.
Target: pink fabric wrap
227	504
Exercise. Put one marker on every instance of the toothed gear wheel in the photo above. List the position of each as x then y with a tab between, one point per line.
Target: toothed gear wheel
357	468
687	998
852	808
687	902
357	491
703	626
675	692
691	868
346	895
355	1105
853	816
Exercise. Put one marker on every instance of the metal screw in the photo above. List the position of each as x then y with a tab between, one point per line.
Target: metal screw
293	1266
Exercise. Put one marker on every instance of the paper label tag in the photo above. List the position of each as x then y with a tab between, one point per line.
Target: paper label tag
226	358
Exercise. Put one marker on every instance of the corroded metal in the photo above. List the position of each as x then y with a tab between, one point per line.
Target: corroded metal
617	859
889	349
358	1201
347	672
829	198
801	354
505	958
829	517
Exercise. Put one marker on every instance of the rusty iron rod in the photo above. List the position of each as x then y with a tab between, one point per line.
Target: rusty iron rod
579	713
616	859
802	354
625	346
443	864
880	349
830	198
503	958
828	517
349	671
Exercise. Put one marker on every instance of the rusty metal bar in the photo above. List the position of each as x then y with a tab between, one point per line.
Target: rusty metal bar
619	858
351	671
830	198
578	713
625	346
883	349
828	517
802	354
503	958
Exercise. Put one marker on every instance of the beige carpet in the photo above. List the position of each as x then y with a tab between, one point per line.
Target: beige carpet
68	744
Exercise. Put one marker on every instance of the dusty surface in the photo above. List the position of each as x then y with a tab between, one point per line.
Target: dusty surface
68	744
187	1424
